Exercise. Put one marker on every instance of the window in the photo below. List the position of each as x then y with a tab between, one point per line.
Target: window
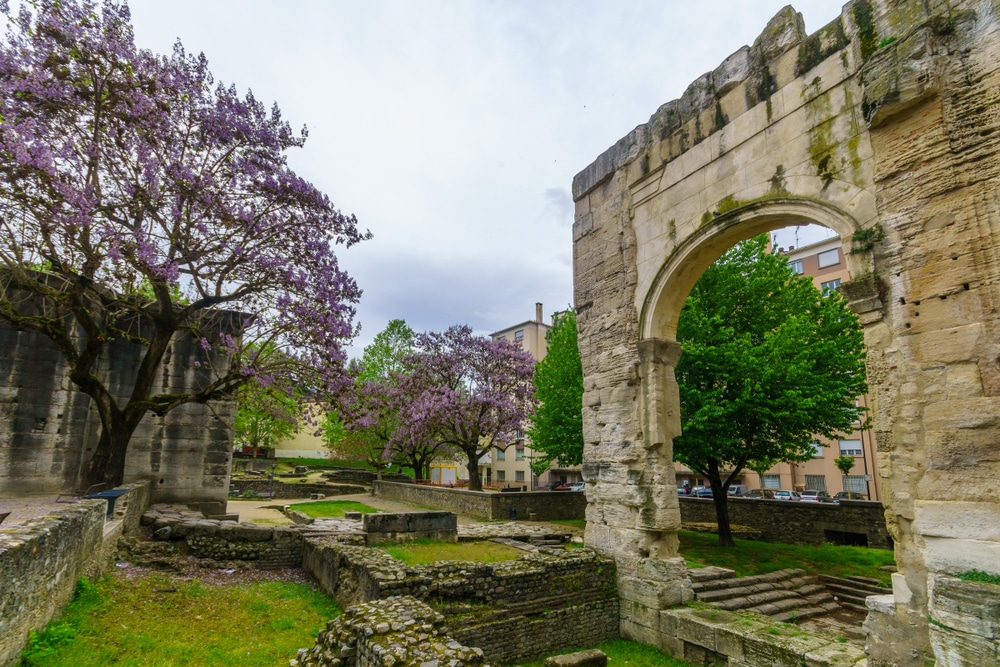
828	258
501	475
772	481
850	448
519	334
856	484
796	266
829	286
817	452
519	453
816	482
518	475
501	455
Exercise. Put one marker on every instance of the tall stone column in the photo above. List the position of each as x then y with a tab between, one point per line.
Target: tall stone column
661	423
655	578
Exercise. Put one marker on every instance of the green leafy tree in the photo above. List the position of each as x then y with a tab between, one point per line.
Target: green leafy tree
370	415
768	363
844	464
265	416
557	426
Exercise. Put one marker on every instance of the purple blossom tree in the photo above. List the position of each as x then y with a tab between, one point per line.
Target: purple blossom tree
465	392
138	200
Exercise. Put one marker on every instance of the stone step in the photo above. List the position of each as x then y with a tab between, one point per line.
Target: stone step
799	614
705	575
754	600
866	584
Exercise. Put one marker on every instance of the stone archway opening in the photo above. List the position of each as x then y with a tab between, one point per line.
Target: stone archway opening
882	126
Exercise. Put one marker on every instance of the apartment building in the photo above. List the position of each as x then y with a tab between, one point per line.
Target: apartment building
824	262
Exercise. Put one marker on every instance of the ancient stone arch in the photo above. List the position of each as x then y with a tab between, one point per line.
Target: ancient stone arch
885	126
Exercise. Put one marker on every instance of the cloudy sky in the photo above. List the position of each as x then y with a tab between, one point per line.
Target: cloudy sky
453	128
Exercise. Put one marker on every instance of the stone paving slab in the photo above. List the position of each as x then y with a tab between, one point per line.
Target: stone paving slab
22	509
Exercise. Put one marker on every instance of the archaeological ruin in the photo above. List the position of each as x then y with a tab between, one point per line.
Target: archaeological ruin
882	126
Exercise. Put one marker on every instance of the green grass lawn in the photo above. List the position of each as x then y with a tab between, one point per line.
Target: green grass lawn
419	552
752	557
133	618
623	653
332	508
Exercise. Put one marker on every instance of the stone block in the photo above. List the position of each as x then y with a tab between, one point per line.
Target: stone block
653	594
970	607
959	648
968	413
589	658
952	345
694	631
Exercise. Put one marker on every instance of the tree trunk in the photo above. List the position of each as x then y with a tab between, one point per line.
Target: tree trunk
721	500
475	484
107	465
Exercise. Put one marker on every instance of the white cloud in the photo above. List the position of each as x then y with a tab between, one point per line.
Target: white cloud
453	128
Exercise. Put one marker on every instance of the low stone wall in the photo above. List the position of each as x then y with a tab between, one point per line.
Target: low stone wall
716	637
42	559
543	602
400	631
292	490
266	547
365	477
407	526
797	522
544	505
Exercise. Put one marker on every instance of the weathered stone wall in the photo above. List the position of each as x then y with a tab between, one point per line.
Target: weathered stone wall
883	126
48	428
545	505
398	631
266	547
797	523
716	637
540	603
408	526
291	490
42	559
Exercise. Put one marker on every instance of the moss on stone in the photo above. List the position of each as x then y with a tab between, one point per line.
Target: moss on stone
861	11
820	45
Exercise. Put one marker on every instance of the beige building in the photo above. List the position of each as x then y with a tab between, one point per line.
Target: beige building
305	443
825	263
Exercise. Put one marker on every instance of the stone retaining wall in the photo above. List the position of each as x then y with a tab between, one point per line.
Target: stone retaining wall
716	637
267	547
407	526
545	505
292	490
797	522
542	602
400	631
42	559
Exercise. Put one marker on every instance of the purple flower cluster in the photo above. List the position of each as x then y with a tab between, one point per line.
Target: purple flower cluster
147	189
458	392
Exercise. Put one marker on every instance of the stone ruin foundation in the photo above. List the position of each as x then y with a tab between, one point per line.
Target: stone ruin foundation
884	126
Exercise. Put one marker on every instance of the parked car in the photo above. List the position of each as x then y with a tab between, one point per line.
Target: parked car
739	490
787	495
702	492
848	495
816	497
683	490
759	494
576	486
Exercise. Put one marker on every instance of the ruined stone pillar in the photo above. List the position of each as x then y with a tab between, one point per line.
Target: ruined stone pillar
659	515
